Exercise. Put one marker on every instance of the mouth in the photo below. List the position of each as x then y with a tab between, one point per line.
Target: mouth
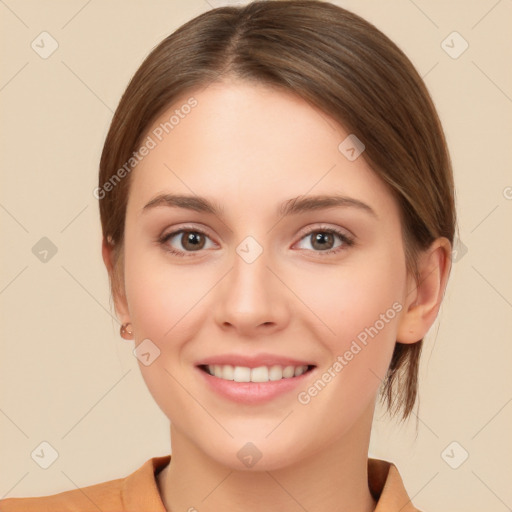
257	385
256	378
259	374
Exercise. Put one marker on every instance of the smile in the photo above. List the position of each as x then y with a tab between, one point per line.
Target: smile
254	385
258	374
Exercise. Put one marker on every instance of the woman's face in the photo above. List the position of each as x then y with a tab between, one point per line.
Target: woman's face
254	287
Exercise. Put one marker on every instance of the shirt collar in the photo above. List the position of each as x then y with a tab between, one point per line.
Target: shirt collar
387	487
140	489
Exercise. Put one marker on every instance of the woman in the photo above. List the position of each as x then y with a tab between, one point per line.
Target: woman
277	207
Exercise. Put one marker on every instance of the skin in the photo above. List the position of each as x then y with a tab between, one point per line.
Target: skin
249	148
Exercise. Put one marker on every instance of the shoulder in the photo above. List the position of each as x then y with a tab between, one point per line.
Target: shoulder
137	491
104	496
387	487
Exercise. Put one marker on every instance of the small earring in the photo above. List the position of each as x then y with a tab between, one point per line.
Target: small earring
125	333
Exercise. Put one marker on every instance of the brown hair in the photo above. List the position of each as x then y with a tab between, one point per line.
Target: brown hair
339	63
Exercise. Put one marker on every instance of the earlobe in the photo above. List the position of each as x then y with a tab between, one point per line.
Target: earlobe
424	298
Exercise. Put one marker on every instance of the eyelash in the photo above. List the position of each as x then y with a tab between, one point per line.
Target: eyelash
347	241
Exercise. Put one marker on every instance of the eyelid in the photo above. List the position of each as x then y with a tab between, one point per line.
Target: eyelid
325	227
166	235
347	238
302	233
177	229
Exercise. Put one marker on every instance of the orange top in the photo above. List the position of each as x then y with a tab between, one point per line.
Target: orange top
138	492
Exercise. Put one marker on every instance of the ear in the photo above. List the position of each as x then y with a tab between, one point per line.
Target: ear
424	299
118	294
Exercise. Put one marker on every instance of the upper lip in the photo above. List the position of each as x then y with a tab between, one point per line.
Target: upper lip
253	361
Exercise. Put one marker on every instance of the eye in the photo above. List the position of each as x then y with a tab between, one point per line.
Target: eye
323	240
186	241
191	240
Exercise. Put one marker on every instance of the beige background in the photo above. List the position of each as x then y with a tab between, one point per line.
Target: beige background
67	378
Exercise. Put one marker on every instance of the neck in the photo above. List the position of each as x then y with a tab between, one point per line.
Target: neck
335	478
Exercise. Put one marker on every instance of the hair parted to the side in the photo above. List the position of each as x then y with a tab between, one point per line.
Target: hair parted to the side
339	63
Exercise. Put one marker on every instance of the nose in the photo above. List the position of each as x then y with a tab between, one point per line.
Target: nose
251	300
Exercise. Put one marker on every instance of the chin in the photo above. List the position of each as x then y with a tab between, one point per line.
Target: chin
246	455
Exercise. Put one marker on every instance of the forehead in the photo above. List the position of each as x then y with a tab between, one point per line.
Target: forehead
253	144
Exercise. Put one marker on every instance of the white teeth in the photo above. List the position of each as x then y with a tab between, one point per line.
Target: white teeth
300	370
242	374
228	372
288	371
275	373
259	374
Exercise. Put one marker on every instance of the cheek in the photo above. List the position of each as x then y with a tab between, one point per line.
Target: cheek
160	299
361	308
160	296
355	296
340	308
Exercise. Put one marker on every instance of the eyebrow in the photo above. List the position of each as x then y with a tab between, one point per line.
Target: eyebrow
296	205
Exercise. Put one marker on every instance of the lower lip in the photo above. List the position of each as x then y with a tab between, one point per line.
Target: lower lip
253	392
